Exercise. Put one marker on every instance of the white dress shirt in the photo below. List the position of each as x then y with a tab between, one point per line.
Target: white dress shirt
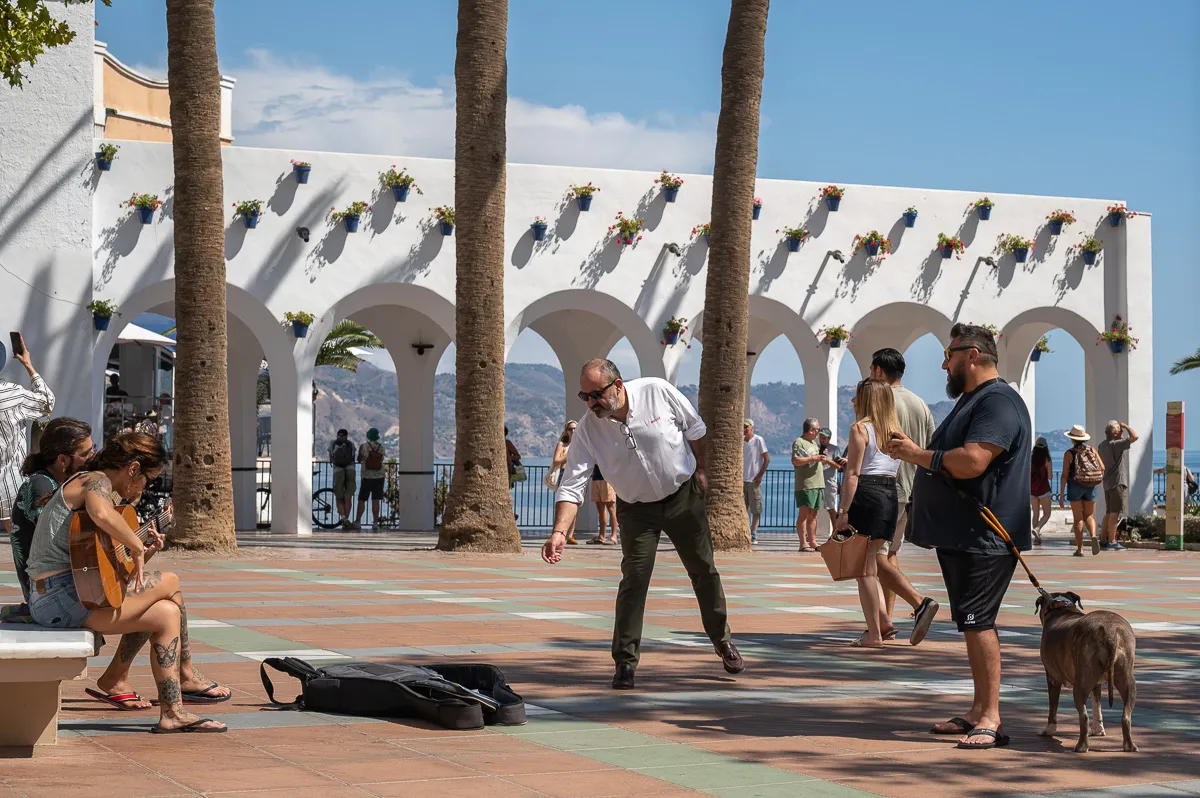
752	457
647	458
18	406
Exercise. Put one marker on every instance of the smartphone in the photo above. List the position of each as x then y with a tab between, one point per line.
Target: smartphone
18	344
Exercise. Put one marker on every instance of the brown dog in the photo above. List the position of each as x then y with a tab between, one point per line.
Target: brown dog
1081	650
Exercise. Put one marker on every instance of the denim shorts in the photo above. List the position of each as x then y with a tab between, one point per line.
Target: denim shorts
59	606
1079	493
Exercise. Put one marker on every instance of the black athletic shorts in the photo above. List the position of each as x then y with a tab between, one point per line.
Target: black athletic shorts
371	489
976	584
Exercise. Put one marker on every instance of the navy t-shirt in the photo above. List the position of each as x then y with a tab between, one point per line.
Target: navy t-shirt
993	413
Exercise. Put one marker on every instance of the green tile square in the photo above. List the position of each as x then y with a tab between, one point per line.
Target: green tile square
814	788
729	773
646	756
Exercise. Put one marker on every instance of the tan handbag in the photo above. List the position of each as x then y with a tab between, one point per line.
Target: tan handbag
846	558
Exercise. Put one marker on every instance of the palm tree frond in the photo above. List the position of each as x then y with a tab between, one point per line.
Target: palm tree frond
1188	363
346	335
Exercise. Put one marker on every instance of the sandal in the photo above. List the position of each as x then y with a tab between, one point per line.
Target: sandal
890	634
204	696
195	727
858	643
118	700
596	542
998	739
964	727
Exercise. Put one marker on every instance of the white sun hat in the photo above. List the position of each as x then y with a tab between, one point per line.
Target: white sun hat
1078	433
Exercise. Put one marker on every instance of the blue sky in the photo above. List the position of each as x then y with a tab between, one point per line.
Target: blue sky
1088	98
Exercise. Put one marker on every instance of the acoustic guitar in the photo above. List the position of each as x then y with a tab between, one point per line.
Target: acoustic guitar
102	567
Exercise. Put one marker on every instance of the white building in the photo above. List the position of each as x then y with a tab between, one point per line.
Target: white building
65	241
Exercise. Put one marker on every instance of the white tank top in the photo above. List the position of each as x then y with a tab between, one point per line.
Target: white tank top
875	462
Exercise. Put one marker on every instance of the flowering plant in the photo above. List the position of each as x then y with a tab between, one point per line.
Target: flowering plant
1008	242
247	208
1121	209
702	229
107	151
299	317
538	221
1091	244
873	237
954	242
675	326
992	328
353	209
911	209
798	233
758	201
444	213
1043	344
391	178
150	201
103	308
1066	217
836	332
584	191
982	202
832	191
1118	333
627	227
668	180
301	163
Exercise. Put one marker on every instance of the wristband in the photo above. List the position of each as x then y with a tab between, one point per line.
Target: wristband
935	462
556	532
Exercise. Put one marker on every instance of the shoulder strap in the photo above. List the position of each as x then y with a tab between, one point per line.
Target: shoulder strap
292	667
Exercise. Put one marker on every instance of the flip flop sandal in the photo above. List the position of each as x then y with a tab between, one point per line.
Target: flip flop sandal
595	542
195	727
888	635
609	542
201	696
118	700
964	726
858	643
998	739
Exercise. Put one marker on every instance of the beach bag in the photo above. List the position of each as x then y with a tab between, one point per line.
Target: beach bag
1086	467
343	454
551	479
374	460
845	554
454	696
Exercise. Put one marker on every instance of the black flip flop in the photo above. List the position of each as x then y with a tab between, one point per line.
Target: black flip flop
998	740
192	728
201	696
118	700
964	726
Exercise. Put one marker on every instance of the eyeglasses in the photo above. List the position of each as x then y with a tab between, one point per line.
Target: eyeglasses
630	443
950	350
596	396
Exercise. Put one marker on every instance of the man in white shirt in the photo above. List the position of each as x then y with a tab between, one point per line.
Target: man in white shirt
649	442
18	407
755	460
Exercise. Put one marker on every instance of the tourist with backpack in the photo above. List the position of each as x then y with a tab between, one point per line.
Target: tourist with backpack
341	455
371	455
1082	473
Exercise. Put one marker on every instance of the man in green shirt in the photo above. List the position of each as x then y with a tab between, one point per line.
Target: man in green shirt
810	483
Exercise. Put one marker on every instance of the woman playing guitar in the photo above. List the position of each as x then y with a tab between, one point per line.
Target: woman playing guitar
153	604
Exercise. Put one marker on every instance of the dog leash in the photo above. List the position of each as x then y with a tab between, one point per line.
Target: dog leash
993	522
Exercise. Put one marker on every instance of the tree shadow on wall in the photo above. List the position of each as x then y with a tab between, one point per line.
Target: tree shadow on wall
286	249
603	258
235	236
927	278
327	250
1071	275
384	209
772	265
285	193
422	253
651	207
856	272
117	241
527	247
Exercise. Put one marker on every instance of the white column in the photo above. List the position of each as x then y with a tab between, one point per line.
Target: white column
1135	392
244	360
414	461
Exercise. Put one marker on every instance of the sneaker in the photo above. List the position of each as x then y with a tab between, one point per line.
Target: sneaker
1116	547
754	538
1095	546
922	620
1105	545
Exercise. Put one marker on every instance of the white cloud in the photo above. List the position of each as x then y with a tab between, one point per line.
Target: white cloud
304	105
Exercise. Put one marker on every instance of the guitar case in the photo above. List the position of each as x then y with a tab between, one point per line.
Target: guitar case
453	696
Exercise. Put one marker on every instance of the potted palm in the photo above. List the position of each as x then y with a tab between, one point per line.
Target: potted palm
1059	219
538	228
983	207
1118	212
445	218
1118	336
833	197
105	155
400	182
834	335
873	242
950	245
910	216
670	185
795	236
249	210
704	230
300	321
583	196
627	228
1042	345
1018	246
351	216
673	329
102	312
301	169
757	207
145	204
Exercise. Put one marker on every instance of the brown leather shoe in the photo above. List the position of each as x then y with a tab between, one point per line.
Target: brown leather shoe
623	679
730	658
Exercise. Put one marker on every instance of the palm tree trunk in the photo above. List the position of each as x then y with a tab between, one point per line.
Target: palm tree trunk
202	471
479	514
723	364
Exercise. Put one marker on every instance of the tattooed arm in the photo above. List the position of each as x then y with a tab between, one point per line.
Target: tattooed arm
94	492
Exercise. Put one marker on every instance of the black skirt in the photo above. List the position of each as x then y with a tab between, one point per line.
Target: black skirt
876	507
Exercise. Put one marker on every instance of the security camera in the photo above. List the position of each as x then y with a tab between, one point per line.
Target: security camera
303	233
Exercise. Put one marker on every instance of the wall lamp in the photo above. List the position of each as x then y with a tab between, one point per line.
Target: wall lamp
421	348
838	256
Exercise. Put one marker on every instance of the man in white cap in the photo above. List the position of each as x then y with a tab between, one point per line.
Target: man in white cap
755	459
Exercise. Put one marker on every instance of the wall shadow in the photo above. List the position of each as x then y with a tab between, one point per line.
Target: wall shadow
969	228
285	193
383	209
646	294
327	250
235	236
167	211
693	260
962	298
523	251
773	266
422	253
855	272
816	218
896	234
1044	245
115	242
1006	269
927	278
651	207
603	258
287	250
812	287
1071	275
566	219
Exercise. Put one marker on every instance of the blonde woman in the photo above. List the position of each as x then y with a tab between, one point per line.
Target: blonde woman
869	498
558	462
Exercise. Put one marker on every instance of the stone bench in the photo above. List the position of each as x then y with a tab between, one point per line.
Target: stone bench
34	661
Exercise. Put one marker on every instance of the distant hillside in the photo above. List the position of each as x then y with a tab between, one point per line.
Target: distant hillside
535	408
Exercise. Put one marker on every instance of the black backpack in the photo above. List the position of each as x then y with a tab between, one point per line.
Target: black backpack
343	454
453	696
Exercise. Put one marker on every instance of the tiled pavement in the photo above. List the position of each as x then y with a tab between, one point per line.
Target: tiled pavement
811	715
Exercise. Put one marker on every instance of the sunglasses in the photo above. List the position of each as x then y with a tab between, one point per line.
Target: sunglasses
596	396
949	351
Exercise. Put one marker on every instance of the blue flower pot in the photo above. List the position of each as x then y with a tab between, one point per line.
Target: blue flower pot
584	202
1035	355
947	251
985	212
1056	226
351	223
1020	253
670	193
300	329
539	231
757	211
101	322
910	219
250	220
832	203
146	215
301	173
1115	218
446	228
400	193
1117	347
672	338
102	163
835	343
708	238
794	244
872	249
1089	257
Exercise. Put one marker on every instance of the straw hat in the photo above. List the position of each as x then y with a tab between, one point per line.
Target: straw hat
1078	433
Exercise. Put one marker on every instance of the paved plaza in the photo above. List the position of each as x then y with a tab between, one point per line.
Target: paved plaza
811	716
